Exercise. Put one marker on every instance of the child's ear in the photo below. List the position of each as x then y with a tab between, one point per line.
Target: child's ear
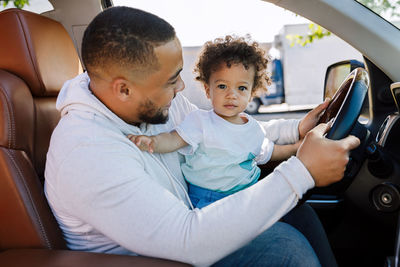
122	89
207	89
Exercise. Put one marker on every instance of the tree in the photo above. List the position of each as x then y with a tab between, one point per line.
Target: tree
17	3
316	32
381	7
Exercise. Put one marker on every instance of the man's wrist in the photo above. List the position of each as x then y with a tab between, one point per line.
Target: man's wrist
297	175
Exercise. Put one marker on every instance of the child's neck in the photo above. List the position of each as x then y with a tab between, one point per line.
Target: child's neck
238	119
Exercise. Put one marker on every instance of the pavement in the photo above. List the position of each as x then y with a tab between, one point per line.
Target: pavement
282	111
284	107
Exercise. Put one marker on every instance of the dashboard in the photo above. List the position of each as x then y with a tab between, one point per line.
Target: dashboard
376	187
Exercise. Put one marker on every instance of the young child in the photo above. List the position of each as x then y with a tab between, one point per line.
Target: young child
223	146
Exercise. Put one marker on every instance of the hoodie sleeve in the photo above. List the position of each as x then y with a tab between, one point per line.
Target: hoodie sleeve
281	132
111	190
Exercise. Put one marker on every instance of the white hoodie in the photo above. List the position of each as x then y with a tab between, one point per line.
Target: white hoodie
110	197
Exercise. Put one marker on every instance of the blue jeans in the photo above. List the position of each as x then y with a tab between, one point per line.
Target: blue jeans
280	245
306	220
201	197
273	247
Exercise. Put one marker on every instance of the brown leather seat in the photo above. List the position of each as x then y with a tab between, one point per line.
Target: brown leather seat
36	57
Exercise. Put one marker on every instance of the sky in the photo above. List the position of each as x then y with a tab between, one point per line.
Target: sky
198	21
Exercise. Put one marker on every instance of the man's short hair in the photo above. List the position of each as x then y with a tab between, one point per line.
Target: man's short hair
125	37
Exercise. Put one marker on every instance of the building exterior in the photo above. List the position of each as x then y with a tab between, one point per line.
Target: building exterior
303	67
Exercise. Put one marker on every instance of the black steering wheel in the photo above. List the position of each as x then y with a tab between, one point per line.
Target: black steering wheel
344	109
346	104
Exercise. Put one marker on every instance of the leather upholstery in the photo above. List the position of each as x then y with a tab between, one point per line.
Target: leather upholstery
51	258
26	220
16	113
40	52
36	57
46	119
37	49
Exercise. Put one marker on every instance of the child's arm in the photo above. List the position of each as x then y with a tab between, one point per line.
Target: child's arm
161	143
283	152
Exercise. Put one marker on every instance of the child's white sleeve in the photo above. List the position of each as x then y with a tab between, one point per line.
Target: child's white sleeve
281	132
191	131
267	148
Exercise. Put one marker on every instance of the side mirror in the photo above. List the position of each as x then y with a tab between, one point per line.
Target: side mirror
336	73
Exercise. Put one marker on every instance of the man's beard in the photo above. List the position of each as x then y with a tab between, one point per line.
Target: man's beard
149	113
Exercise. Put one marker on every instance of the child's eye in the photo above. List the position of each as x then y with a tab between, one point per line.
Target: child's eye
242	88
221	86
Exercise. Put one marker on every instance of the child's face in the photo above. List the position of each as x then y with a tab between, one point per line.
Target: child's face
229	90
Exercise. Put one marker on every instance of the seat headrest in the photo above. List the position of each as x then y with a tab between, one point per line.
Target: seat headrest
38	50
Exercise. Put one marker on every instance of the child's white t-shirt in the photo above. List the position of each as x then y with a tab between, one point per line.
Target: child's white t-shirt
222	156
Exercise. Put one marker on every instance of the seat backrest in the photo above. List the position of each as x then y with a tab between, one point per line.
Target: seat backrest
36	57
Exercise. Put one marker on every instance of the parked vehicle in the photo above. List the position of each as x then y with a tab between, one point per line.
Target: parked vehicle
276	92
360	213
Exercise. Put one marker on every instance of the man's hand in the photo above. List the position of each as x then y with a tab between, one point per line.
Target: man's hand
311	119
143	142
325	159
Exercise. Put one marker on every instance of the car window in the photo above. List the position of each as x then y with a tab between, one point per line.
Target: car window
298	72
36	6
388	9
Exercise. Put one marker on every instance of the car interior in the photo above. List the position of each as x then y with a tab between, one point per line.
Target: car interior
38	52
360	213
30	78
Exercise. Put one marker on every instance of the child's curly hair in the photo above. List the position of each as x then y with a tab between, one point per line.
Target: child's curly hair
233	50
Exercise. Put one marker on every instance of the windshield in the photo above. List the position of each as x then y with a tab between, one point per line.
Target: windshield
36	6
387	9
292	87
197	22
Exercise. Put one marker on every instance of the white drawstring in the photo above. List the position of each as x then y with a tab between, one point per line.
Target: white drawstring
172	178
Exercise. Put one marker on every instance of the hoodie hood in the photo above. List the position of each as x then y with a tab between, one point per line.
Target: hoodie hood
76	96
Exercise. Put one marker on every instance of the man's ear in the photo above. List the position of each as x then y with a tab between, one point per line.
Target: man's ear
122	89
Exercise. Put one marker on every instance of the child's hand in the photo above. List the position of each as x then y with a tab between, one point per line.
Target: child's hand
143	142
297	145
311	119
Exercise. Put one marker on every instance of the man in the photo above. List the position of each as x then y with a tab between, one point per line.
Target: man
110	197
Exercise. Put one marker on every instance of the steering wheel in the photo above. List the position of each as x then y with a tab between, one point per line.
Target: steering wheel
344	109
346	104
